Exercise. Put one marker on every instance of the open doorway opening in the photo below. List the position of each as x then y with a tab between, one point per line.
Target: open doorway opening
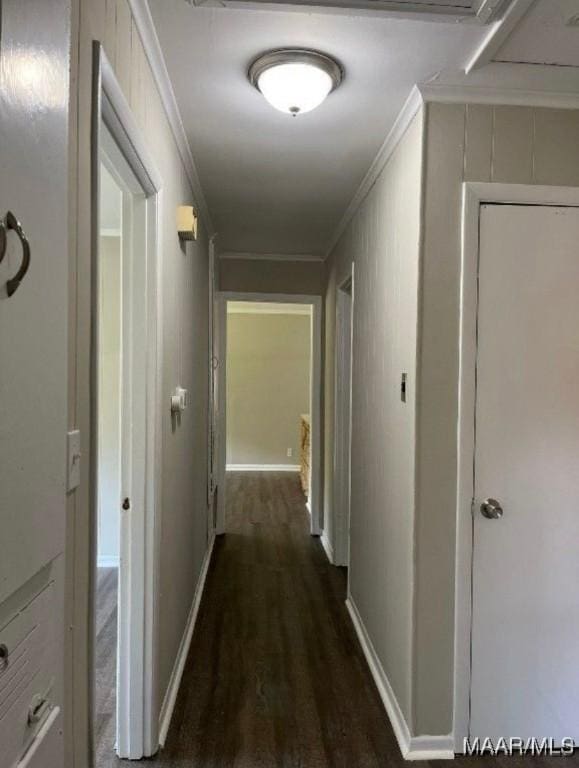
125	422
112	254
270	377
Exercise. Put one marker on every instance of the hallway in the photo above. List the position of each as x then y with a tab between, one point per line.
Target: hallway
275	676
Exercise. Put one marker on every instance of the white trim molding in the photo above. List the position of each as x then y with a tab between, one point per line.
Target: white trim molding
498	34
263	468
466	93
124	145
170	698
501	83
247	308
406	115
476	194
328	549
411	747
154	53
508	84
253	256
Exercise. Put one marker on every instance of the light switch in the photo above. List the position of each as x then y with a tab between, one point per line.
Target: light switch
73	460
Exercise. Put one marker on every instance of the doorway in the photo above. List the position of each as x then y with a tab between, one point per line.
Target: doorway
520	426
269	404
113	255
125	421
339	545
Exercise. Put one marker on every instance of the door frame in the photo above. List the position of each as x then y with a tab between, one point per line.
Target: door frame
315	396
475	194
138	696
339	548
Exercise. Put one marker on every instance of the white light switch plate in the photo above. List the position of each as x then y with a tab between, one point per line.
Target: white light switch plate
73	460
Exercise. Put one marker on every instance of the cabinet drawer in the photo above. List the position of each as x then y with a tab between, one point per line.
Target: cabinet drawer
27	665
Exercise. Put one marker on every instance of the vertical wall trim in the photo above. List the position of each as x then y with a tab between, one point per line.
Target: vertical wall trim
417	408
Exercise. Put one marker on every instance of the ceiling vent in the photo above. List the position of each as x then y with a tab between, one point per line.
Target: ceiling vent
484	11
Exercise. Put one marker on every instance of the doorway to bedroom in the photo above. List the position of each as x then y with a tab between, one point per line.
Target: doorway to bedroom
269	425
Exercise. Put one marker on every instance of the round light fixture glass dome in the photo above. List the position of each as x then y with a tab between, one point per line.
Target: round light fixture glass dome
295	80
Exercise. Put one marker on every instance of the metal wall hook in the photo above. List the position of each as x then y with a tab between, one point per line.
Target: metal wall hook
11	222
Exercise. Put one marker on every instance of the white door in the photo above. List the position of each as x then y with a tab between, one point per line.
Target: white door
525	631
34	104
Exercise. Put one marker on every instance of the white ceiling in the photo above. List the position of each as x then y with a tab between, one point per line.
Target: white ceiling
277	184
543	36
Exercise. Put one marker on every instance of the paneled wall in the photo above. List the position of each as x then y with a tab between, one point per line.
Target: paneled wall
183	514
476	143
383	241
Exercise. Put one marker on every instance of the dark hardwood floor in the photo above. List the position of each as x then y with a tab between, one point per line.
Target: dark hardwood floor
106	666
276	677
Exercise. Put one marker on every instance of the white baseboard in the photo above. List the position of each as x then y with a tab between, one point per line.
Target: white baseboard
326	544
107	561
177	673
431	748
411	747
263	467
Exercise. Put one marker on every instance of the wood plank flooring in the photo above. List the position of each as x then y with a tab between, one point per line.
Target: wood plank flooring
275	676
106	666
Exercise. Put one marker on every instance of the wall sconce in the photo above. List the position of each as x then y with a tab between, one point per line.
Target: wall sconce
187	222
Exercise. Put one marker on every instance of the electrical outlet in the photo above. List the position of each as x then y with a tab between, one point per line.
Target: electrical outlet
290	452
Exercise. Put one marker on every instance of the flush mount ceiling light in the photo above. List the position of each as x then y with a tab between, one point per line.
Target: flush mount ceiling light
295	80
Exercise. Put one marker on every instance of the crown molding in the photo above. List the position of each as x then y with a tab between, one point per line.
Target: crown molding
154	53
498	34
405	116
526	87
252	256
263	308
515	97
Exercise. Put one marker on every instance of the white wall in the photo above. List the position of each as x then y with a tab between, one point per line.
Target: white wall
268	386
383	239
109	459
